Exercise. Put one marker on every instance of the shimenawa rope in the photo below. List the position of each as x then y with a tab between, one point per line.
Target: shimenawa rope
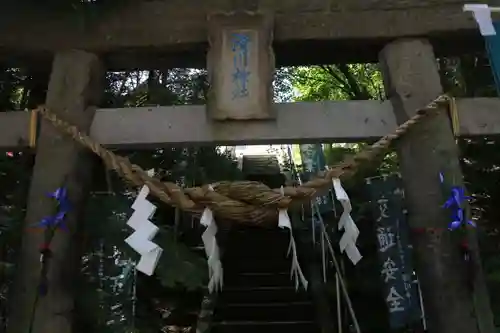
243	201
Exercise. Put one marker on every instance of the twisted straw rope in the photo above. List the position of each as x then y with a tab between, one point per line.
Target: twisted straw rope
242	201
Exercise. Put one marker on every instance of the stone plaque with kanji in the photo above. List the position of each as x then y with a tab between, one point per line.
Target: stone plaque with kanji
240	66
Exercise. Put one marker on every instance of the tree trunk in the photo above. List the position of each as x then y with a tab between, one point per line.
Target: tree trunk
75	83
412	80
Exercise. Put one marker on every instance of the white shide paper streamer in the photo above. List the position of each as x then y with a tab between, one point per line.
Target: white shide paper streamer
482	14
296	272
215	272
347	242
145	231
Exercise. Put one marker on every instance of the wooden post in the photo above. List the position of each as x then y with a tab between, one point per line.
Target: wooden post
412	80
75	84
240	64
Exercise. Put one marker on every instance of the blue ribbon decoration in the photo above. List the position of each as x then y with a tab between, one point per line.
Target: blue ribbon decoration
454	203
63	205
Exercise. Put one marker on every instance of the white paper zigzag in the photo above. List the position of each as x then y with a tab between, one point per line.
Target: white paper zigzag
145	231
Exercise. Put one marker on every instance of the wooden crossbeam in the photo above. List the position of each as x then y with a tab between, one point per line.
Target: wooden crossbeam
301	122
141	33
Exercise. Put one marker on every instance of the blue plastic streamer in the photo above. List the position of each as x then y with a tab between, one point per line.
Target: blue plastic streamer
57	220
454	204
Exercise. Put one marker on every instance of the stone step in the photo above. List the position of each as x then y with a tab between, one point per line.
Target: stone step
249	253
248	235
265	327
283	311
255	251
257	266
262	279
258	294
262	295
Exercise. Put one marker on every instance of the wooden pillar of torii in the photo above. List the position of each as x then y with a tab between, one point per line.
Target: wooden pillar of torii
75	84
412	80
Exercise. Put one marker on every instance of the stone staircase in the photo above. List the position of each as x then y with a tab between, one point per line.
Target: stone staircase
258	295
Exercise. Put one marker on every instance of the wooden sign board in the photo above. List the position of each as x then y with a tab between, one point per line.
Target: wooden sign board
240	66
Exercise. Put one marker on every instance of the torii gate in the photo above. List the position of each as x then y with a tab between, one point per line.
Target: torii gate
163	34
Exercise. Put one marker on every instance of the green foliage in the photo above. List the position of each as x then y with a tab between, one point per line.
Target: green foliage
338	82
179	265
